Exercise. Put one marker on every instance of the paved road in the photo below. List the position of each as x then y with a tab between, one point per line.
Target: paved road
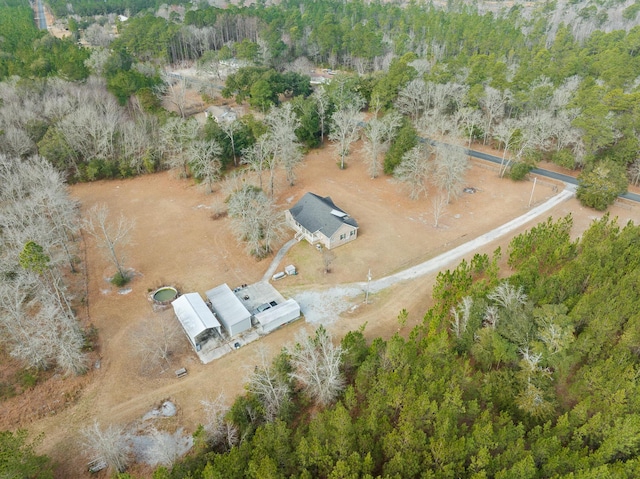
542	172
537	171
40	17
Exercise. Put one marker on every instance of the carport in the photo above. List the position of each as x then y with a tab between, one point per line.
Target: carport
278	315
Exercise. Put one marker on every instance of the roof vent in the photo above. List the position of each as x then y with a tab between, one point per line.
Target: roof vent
339	214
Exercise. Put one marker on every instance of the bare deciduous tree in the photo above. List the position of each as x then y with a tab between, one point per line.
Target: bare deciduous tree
468	119
290	156
174	89
412	99
563	94
138	139
16	142
98	36
64	339
21	334
229	128
258	156
209	63
157	340
205	162
256	220
90	130
508	296
537	130
218	429
438	206
328	257
450	165
110	236
271	388
345	129
634	172
282	123
493	104
166	448
38	223
316	365
565	134
413	170
461	314
322	107
111	445
506	133
378	133
176	135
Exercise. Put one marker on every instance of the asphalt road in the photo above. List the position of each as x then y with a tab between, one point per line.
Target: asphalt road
542	172
42	20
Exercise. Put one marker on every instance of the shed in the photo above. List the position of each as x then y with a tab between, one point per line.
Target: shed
278	315
196	319
229	309
290	270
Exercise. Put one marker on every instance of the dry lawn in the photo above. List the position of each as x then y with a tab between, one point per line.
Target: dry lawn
176	242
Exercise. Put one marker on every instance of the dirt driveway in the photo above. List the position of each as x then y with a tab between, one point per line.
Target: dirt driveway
175	242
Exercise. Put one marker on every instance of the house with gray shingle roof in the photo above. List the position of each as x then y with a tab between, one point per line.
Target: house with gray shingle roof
320	221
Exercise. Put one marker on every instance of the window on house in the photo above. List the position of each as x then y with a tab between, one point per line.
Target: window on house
343	236
352	233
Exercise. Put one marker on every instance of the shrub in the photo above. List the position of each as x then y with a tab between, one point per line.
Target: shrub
6	390
564	158
90	338
28	378
120	279
519	171
407	138
599	186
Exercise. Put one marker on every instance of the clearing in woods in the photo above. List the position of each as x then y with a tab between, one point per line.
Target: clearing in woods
176	242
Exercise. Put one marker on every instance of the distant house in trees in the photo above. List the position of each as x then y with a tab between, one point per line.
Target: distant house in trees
320	221
196	319
221	115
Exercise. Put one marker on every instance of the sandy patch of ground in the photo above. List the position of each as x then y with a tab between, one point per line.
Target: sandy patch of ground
175	242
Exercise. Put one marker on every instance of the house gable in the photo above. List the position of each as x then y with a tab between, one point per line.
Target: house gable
344	234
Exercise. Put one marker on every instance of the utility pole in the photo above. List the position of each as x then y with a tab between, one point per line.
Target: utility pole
366	295
532	189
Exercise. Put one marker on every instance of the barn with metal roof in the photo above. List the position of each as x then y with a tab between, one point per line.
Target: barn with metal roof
196	318
230	311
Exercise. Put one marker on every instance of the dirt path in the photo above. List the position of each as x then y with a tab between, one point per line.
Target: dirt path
176	242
